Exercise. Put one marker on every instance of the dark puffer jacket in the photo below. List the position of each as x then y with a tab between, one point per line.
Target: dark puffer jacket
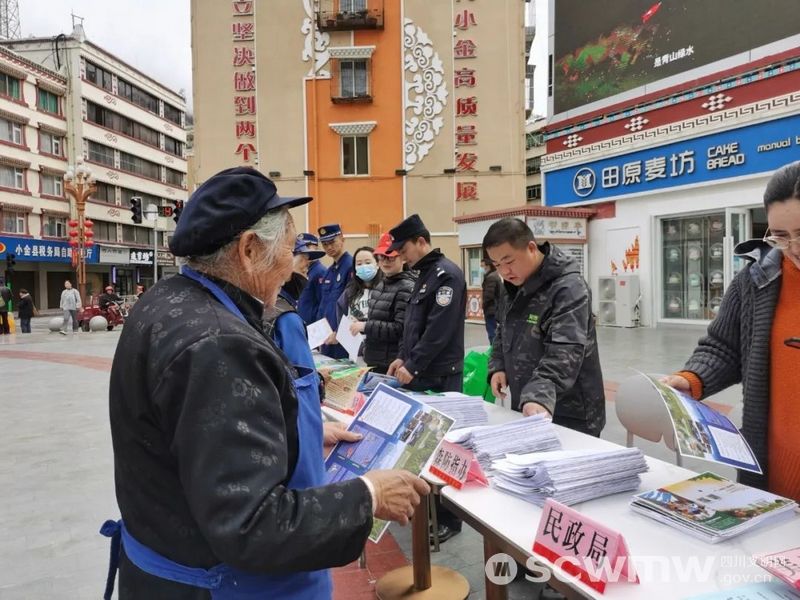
547	345
387	310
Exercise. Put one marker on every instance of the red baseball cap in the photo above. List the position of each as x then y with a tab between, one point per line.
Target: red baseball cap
383	246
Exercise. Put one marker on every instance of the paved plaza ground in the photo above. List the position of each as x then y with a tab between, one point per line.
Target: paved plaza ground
56	471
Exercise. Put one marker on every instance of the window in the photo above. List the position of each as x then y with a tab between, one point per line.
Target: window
98	76
472	263
51	144
12	177
52	185
353	79
534	140
15	222
172	114
105	193
11	131
9	86
352	5
533	192
137	96
55	227
47	101
355	155
139	166
174	177
533	165
137	235
101	154
105	231
121	124
173	146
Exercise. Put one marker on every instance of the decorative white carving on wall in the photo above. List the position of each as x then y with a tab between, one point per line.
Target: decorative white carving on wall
359	128
426	94
317	42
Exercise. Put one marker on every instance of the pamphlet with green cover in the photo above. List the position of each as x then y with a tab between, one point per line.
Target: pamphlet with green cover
711	507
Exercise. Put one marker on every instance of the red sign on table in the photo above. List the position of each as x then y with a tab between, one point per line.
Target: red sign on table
582	547
456	465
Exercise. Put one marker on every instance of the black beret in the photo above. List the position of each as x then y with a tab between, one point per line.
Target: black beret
406	230
225	205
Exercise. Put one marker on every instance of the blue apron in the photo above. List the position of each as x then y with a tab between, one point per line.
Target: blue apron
224	582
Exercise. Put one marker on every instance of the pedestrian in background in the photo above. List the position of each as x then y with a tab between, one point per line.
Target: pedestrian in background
492	289
387	308
353	304
70	304
309	300
752	341
25	311
333	282
5	306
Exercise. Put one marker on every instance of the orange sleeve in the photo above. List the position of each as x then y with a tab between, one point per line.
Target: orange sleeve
695	383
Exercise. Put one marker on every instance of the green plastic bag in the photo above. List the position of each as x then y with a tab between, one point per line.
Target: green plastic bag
476	375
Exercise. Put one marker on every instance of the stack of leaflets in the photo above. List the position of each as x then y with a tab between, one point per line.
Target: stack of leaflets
569	476
342	378
466	411
711	507
491	442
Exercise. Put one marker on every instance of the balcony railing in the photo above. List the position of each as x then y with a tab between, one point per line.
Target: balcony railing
328	20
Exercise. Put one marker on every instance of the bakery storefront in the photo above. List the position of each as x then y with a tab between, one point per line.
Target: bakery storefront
685	206
566	228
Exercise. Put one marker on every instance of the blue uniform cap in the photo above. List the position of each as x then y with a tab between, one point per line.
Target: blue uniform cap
406	230
227	204
308	238
328	232
301	247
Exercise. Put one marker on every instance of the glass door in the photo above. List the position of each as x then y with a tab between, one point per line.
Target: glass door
737	230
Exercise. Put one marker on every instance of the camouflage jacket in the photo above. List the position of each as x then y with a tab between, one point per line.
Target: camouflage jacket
546	344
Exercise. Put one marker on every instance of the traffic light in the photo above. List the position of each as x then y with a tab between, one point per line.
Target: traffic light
176	213
11	262
136	209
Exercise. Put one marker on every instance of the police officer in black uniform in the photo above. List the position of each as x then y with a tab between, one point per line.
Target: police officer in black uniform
431	354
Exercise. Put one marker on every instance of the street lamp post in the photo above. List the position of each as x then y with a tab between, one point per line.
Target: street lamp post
80	184
152	213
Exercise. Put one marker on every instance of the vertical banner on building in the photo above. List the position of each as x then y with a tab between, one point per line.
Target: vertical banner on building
243	32
465	81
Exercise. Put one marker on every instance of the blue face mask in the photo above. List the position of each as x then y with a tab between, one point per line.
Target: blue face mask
366	272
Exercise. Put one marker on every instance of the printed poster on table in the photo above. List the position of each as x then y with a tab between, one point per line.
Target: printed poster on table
704	433
399	432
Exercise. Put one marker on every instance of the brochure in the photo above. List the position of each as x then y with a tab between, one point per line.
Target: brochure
711	507
704	433
772	590
318	332
783	565
399	432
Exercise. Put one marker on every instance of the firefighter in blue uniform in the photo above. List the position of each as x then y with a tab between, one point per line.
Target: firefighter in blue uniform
431	354
333	284
309	299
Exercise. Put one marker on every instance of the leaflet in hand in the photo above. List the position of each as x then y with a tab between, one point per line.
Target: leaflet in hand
704	433
351	343
318	332
399	432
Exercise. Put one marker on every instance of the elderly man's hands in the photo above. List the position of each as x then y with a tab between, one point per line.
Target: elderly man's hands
397	494
333	433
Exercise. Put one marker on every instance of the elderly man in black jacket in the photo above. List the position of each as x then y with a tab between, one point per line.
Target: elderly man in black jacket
545	349
218	441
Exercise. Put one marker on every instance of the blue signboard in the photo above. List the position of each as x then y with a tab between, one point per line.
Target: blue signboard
749	150
30	250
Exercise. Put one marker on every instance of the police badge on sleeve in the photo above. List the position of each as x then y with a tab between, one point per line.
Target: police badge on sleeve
444	296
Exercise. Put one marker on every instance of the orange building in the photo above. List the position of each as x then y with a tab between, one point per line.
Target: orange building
377	108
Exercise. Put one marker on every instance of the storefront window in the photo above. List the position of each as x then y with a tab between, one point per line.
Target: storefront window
693	266
472	264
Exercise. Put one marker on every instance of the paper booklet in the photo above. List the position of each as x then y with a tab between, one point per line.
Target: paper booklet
399	432
711	507
784	565
704	433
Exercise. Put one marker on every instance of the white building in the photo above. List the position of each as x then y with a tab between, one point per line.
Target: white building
130	130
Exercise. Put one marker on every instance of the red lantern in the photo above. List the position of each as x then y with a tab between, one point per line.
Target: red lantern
88	233
73	243
88	223
73	234
88	243
72	223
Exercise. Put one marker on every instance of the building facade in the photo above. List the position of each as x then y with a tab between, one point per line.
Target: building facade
677	181
376	109
130	131
535	149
